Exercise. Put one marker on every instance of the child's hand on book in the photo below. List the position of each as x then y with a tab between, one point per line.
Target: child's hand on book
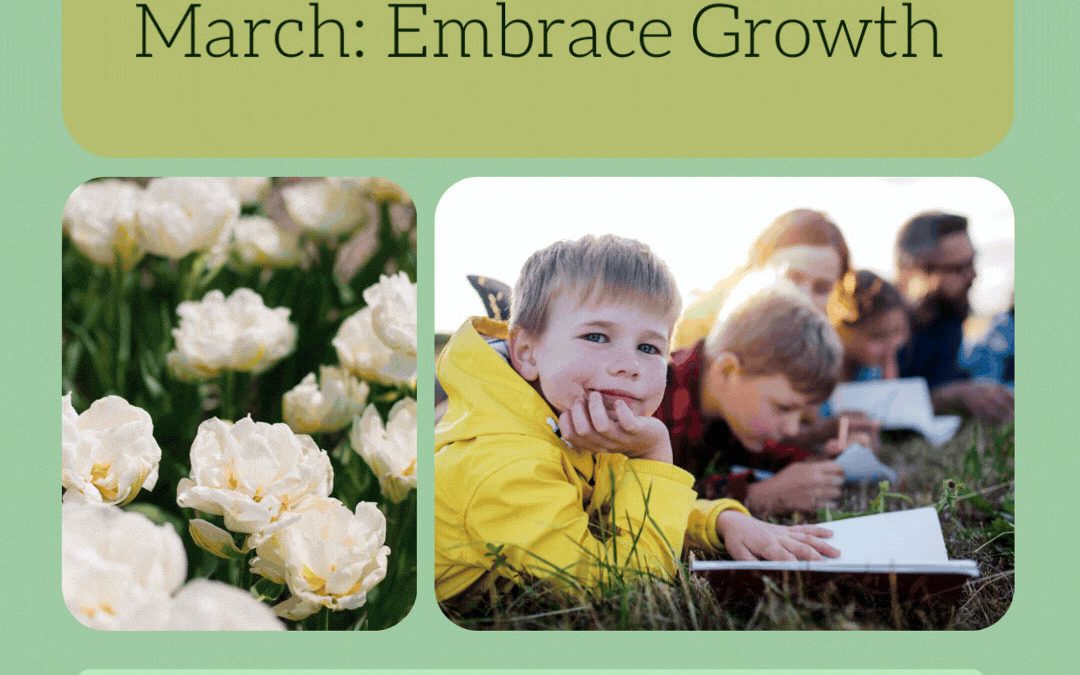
747	538
588	424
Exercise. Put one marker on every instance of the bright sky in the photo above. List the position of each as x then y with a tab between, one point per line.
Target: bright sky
702	227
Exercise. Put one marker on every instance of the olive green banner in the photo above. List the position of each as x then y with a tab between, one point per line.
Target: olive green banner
529	78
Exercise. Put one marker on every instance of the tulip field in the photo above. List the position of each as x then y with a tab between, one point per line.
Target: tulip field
238	404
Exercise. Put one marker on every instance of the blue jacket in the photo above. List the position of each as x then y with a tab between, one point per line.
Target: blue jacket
934	352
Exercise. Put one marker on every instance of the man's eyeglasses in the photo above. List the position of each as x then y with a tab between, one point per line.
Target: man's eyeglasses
958	268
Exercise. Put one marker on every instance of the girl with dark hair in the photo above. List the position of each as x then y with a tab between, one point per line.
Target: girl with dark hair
872	321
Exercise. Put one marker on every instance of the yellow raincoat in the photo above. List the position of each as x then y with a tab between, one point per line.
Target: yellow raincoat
514	502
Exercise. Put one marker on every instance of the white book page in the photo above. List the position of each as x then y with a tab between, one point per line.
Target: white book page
942	429
895	538
966	568
897	404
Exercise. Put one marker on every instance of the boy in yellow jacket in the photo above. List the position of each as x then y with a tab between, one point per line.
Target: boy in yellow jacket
549	464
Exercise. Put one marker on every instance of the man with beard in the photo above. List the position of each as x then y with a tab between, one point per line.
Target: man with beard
935	264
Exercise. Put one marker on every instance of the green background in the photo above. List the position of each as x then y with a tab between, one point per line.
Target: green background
1037	165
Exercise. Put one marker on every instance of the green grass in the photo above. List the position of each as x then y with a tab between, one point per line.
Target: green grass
970	480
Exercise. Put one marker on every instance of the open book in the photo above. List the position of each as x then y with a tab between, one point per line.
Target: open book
898	544
897	404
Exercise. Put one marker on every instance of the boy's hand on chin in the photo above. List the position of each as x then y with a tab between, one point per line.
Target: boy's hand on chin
587	424
747	538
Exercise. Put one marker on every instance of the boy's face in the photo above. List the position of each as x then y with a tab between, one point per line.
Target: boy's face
618	348
757	408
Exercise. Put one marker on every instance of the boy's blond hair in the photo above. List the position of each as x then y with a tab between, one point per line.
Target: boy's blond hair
605	267
774	329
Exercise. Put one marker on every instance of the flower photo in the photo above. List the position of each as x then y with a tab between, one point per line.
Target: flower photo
238	404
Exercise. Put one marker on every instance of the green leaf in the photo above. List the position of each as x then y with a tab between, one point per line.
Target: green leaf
267	591
158	515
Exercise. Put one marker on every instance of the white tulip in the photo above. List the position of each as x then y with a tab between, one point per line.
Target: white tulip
238	333
213	539
328	207
326	406
248	190
100	219
403	219
120	572
389	450
259	241
108	452
361	351
178	216
386	190
115	564
253	474
393	312
205	605
330	557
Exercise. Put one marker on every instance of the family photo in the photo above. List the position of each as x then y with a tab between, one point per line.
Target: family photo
713	403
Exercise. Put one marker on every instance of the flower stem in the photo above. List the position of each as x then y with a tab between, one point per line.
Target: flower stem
400	517
227	394
120	317
191	269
